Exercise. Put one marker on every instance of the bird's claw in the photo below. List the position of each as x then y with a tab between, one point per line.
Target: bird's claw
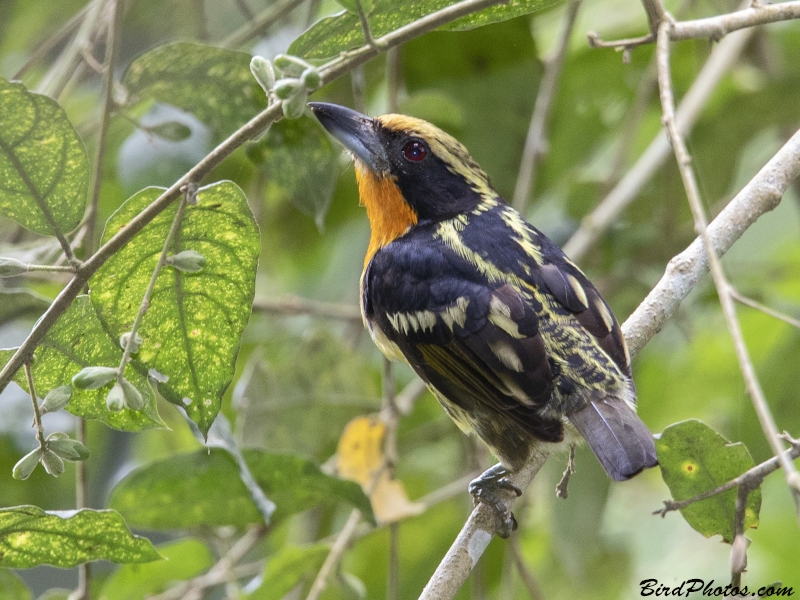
485	490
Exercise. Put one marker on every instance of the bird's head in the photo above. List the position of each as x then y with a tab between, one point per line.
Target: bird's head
407	169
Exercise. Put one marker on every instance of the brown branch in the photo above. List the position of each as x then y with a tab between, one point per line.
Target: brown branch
260	23
713	28
765	309
296	305
105	120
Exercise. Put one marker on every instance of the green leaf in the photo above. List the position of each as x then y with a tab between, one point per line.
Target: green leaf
12	587
300	163
77	340
184	559
286	569
203	489
341	32
191	331
30	536
695	459
15	303
212	83
43	164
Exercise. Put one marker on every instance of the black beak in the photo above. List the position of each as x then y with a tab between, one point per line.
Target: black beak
357	133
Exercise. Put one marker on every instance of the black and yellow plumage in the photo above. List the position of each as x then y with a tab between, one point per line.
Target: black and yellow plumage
513	339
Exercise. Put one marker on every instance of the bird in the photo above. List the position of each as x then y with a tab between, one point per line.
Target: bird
513	340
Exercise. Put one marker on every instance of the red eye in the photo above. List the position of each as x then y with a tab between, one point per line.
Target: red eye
415	151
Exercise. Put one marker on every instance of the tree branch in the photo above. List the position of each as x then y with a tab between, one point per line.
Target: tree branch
475	536
593	225
713	28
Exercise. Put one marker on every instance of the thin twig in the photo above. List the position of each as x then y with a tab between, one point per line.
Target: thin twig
145	303
37	413
739	545
64	69
105	120
260	23
244	9
720	281
365	30
719	62
335	555
713	28
751	477
295	305
535	143
655	13
51	42
409	395
222	569
765	309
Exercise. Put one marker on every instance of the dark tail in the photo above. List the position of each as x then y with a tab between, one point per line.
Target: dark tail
618	438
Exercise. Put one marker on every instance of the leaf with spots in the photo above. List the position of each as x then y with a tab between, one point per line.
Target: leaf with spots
300	163
695	459
78	340
191	331
44	170
341	32
204	489
213	84
30	536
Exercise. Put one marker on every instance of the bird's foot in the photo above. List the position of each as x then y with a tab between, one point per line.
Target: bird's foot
487	488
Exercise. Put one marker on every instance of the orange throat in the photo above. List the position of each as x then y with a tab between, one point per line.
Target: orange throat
389	214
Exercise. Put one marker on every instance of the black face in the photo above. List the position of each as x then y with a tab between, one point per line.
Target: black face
427	184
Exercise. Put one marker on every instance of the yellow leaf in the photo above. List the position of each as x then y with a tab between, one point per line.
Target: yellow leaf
360	453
